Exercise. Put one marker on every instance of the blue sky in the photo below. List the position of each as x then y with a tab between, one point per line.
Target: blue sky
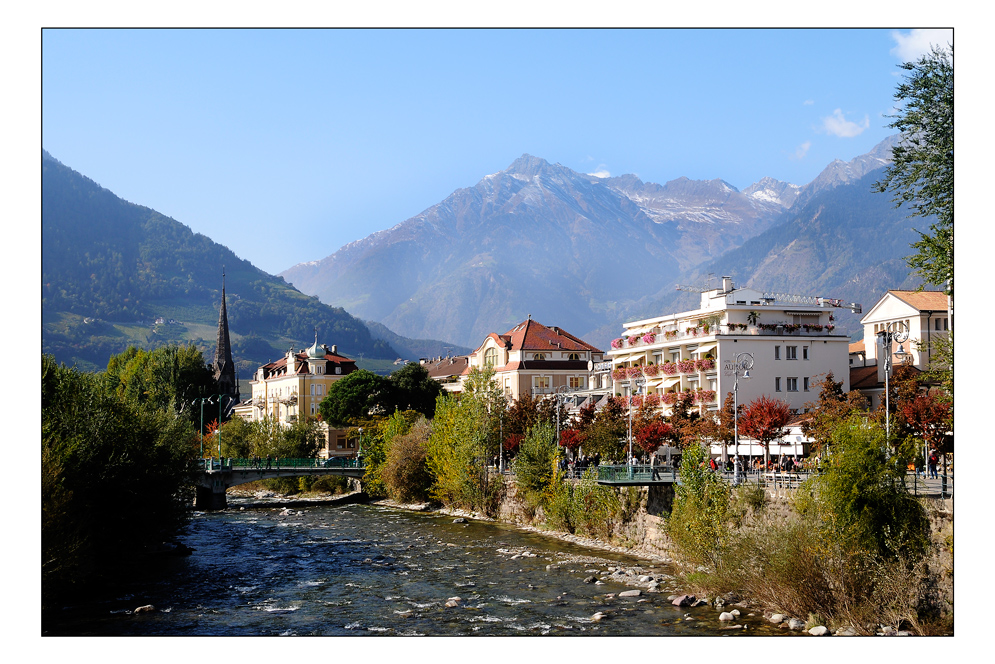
285	145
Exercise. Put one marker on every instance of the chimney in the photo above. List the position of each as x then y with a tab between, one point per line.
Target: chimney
727	286
335	349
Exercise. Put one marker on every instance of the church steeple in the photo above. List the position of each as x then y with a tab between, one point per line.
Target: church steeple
224	366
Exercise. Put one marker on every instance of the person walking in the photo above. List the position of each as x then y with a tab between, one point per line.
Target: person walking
934	459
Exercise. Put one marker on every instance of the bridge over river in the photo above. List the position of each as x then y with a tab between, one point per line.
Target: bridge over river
213	477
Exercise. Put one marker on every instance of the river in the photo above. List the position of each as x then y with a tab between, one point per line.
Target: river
372	570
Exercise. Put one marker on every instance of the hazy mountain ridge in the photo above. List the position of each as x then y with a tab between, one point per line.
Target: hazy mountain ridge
480	260
111	269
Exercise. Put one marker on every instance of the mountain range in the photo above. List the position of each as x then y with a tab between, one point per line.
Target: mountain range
586	253
116	274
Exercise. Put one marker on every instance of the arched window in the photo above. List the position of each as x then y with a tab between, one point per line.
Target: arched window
538	356
490	357
573	356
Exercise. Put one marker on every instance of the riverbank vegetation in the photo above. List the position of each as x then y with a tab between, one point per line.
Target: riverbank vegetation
116	449
850	548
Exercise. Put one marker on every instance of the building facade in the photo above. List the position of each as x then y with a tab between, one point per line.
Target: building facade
534	359
291	388
925	315
792	339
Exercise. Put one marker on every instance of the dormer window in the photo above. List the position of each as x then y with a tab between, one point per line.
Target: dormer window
573	356
490	357
538	356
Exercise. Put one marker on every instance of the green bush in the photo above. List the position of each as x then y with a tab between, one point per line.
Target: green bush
406	474
697	524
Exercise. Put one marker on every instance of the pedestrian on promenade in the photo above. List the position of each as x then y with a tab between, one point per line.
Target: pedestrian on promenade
933	460
269	461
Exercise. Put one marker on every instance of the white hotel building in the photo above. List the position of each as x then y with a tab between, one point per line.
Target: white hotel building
792	339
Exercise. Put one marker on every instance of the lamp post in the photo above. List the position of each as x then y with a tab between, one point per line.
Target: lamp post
638	382
559	394
894	331
201	400
359	454
743	364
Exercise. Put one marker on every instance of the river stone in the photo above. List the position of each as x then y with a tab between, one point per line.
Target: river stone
598	617
453	602
819	630
552	568
459	520
684	600
850	630
645	579
590	579
630	593
795	623
777	618
735	612
147	608
726	616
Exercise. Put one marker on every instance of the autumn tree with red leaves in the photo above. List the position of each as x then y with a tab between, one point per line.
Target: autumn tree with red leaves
763	420
929	416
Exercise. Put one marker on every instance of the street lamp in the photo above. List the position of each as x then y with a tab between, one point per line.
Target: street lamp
359	454
894	331
743	364
638	382
559	394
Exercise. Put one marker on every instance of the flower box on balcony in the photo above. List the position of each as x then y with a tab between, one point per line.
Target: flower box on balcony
651	370
686	366
669	368
649	338
616	343
634	372
704	365
633	340
619	374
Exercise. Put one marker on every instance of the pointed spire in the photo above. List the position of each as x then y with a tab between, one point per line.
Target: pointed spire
224	366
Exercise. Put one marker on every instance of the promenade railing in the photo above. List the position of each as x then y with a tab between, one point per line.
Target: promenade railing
275	463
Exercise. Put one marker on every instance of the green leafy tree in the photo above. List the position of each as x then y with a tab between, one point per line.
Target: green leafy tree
832	406
861	497
114	477
922	173
414	389
697	523
357	396
166	377
376	449
535	465
458	452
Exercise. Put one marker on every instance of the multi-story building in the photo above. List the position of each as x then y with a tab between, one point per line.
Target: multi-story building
535	359
292	387
447	370
924	315
792	339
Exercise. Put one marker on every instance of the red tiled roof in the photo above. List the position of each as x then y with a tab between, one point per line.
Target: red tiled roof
864	378
534	336
857	346
447	366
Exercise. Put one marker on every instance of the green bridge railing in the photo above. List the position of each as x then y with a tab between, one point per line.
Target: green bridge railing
635	474
277	463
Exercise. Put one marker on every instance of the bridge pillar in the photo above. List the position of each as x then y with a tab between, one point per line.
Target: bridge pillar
212	497
660	499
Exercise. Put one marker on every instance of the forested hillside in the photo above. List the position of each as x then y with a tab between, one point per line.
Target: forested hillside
111	269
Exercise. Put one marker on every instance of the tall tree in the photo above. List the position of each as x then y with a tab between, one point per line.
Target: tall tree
764	420
415	390
357	396
922	172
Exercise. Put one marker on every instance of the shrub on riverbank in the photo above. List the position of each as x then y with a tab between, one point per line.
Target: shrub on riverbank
406	474
114	477
853	547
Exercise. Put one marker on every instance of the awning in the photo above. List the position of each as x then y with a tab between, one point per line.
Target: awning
654	382
669	381
629	357
803	313
707	347
641	330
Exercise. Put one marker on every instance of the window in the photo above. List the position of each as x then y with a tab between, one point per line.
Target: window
538	356
804	352
576	382
540	383
490	357
805	380
573	356
791	352
777	352
792	385
777	384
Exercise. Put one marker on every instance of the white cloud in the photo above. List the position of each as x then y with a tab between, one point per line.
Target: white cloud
838	125
808	102
601	174
912	45
802	150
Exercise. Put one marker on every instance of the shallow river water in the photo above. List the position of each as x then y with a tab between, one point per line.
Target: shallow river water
372	570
